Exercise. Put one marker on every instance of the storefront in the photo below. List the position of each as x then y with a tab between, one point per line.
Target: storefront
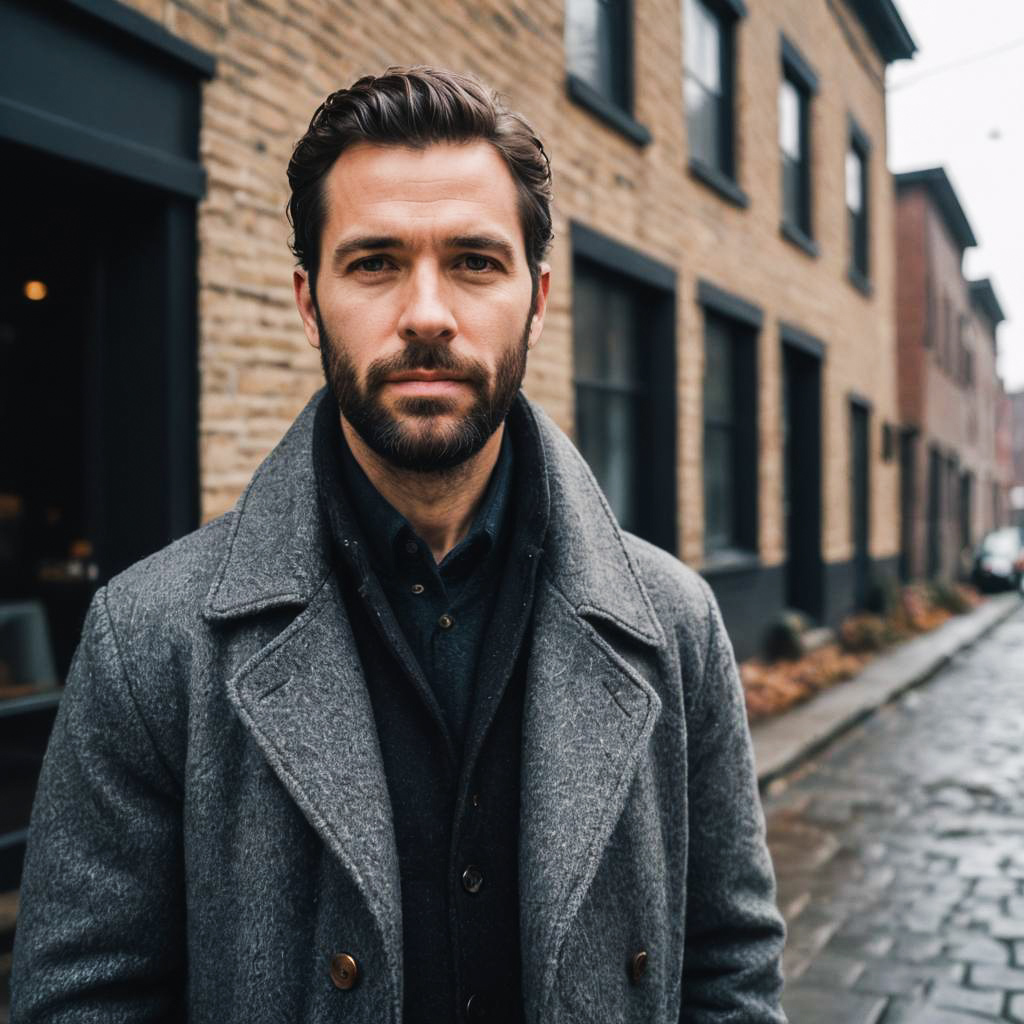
99	129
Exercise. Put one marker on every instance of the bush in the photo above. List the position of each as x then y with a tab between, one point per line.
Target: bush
861	633
949	597
782	639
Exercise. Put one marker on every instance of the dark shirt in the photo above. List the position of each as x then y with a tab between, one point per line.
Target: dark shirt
455	805
441	609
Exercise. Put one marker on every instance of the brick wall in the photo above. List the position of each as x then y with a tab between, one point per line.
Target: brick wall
276	61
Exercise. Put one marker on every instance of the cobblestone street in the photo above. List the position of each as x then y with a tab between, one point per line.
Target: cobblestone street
900	854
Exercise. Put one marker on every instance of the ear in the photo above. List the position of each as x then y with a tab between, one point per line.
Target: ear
304	302
540	304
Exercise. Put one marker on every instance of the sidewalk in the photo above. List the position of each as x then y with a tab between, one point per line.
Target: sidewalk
781	743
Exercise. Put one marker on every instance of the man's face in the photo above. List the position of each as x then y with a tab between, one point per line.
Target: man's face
423	311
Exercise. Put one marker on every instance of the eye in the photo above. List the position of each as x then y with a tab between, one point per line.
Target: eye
477	263
372	264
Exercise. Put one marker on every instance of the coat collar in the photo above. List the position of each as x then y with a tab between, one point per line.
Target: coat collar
278	552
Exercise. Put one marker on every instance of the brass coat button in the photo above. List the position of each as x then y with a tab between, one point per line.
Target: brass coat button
344	971
637	966
446	621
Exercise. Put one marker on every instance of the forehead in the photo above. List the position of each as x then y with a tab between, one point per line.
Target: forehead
443	188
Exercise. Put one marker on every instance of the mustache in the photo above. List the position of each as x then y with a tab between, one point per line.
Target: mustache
419	355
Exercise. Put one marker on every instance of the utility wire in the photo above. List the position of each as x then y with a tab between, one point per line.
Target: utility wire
953	65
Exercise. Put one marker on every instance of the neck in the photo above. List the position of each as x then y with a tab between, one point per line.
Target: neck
438	506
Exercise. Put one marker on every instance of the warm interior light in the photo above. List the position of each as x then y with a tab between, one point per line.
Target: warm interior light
35	290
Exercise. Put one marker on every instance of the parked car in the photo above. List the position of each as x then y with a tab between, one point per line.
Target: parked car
999	563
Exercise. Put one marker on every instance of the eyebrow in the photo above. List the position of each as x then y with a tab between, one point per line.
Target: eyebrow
488	242
365	243
379	243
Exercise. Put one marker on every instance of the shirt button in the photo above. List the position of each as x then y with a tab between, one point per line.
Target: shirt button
475	799
472	879
418	588
446	621
411	547
638	965
476	1009
344	971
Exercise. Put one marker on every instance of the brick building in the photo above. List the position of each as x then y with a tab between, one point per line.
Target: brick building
953	484
721	337
1012	424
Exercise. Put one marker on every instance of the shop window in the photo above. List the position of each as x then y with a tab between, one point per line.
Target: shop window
730	436
623	380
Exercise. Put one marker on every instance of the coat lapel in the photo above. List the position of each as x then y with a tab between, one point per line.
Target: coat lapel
304	700
303	697
588	715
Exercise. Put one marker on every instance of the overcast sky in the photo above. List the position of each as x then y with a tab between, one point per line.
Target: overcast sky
960	104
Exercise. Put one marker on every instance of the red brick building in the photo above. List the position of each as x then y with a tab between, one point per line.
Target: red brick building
952	485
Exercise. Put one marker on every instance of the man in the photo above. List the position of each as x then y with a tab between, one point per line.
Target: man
415	733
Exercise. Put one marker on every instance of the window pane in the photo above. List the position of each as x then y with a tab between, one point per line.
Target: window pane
854	181
589	316
620	339
719	430
718	488
593	45
606	433
792	193
789	120
702	34
703	121
718	373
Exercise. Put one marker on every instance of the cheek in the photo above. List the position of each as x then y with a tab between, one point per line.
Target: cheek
364	328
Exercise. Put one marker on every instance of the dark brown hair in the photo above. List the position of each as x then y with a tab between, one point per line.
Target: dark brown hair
416	106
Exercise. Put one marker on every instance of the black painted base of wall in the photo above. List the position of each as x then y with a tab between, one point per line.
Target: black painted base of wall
753	597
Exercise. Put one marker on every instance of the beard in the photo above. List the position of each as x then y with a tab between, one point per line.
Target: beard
410	435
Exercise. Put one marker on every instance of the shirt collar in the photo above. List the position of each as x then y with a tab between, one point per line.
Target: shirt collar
392	543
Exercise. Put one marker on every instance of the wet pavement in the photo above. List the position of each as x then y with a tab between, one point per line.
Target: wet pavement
900	854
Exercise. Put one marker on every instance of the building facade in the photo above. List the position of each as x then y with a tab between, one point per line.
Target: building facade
720	340
1012	435
953	481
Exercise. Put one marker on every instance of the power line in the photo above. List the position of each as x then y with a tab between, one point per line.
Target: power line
953	65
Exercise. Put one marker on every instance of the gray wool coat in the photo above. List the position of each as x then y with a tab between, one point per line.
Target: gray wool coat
213	823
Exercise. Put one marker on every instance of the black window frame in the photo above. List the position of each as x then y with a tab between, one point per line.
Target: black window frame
797	71
742	321
613	105
721	175
655	286
859	225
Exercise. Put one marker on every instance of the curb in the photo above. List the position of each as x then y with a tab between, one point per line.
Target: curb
785	741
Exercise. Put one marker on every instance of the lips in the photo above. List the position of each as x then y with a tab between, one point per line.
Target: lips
424	376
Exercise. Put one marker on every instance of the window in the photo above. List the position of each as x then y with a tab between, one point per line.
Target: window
730	436
966	354
796	86
947	332
598	46
594	33
624	376
857	207
930	313
708	92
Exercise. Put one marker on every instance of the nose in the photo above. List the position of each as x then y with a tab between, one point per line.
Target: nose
427	314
